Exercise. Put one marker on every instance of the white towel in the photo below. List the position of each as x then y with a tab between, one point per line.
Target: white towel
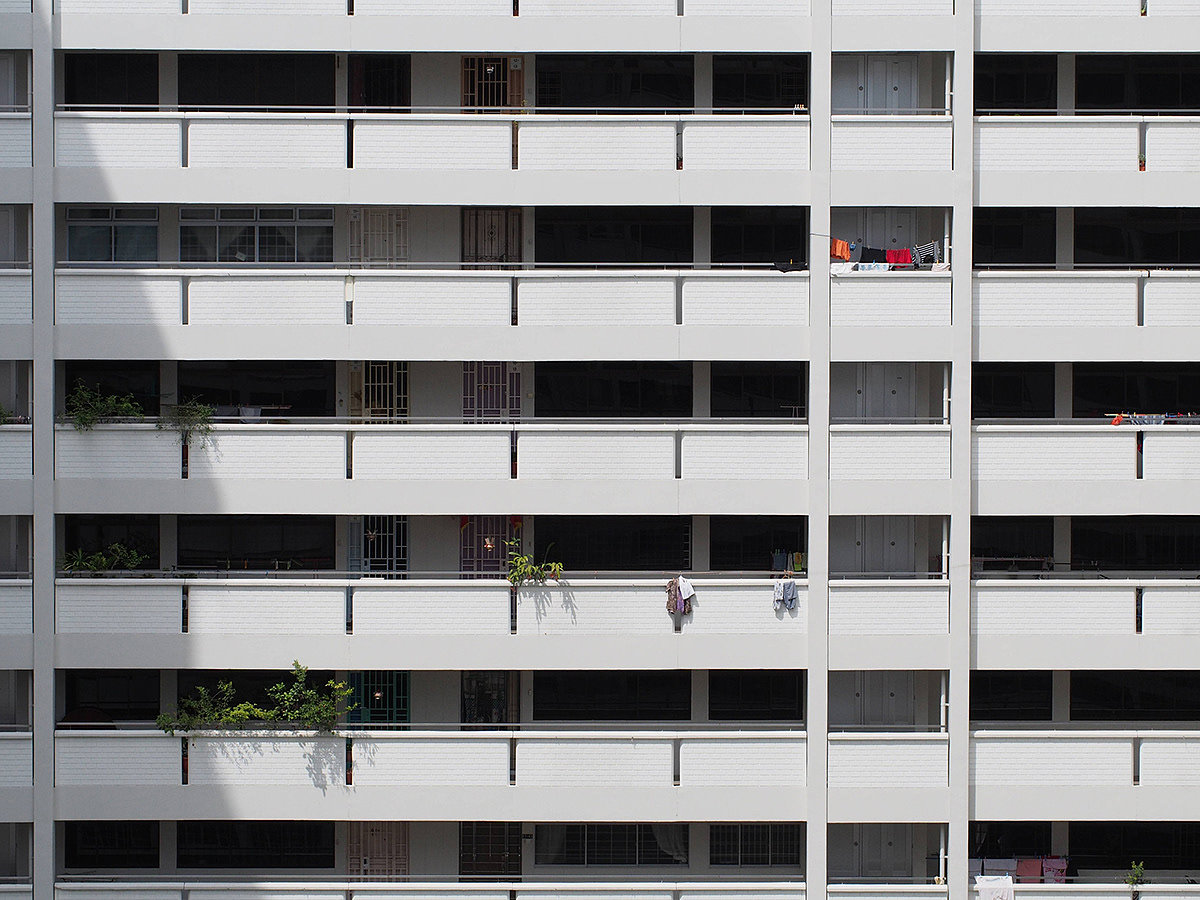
685	589
994	887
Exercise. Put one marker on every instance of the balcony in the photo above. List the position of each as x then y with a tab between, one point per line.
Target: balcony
897	776
167	888
217	620
1153	771
890	300
359	774
16	133
441	306
892	143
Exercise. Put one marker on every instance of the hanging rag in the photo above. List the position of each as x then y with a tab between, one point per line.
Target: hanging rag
840	268
839	249
1054	870
994	887
686	591
779	561
872	255
900	257
676	602
785	594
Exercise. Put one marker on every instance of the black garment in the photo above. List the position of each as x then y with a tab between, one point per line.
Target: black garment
872	255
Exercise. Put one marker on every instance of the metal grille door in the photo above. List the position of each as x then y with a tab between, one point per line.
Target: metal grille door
378	235
377	849
379	544
379	391
380	698
491	236
491	392
489	848
485	82
481	543
490	698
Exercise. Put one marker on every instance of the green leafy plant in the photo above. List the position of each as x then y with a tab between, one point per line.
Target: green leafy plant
1135	876
86	407
296	703
191	419
5	415
114	556
522	569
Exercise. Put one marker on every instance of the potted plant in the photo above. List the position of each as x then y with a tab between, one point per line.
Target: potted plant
1141	162
522	569
1134	877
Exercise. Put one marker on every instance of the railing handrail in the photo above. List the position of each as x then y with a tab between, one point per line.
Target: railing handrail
402	883
431	269
269	421
465	114
390	581
499	732
1088	117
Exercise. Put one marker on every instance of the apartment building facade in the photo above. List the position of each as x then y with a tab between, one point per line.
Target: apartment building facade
873	321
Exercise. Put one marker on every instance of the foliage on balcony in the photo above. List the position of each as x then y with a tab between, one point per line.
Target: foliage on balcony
191	420
114	557
522	569
86	407
297	704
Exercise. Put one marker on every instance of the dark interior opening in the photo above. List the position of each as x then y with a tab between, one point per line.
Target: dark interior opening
380	80
759	389
615	543
1012	543
1012	390
598	390
615	81
1135	543
1124	237
613	234
271	81
1007	82
1006	840
110	695
750	543
110	79
290	389
110	845
94	533
1104	388
612	696
776	81
259	543
775	695
760	234
121	377
1137	83
1002	696
255	845
1014	237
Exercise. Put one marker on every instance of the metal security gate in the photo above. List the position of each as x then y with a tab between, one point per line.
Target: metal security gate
379	544
377	849
379	698
481	543
491	698
492	82
379	391
490	237
489	848
378	235
491	392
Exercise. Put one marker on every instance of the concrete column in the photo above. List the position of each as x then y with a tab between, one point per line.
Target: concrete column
168	382
341	81
700	696
701	389
702	237
1066	84
1062	543
168	541
1059	838
1064	238
701	543
704	82
1064	390
168	79
1060	696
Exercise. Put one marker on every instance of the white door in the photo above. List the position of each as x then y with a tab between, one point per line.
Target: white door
884	850
888	390
845	545
845	701
378	235
849	84
891	228
7	67
891	84
887	698
843	846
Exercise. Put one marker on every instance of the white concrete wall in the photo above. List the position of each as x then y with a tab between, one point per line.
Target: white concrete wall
282	609
554	143
433	7
596	300
1074	299
250	758
16	607
16	452
888	761
435	143
737	144
119	606
886	452
568	761
16	298
744	454
891	143
1044	758
103	7
16	760
113	141
750	760
598	8
251	451
1171	300
1172	145
315	299
893	8
1053	453
415	758
1040	607
742	607
1171	452
119	298
449	299
743	299
889	608
1170	610
1057	8
117	451
1056	144
133	758
471	453
747	8
1169	759
594	608
635	455
418	607
276	143
16	140
890	299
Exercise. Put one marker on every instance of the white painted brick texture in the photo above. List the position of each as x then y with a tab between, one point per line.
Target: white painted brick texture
912	609
1175	8
267	7
83	608
1029	609
726	455
880	146
16	452
1054	455
747	8
16	761
140	453
420	760
118	142
319	300
593	609
244	610
1173	146
16	141
893	8
433	7
757	762
587	455
134	761
1172	761
1172	302
596	301
16	298
879	301
888	763
866	456
14	6
432	301
598	762
598	7
776	299
118	300
247	759
16	609
448	610
596	146
1060	760
467	454
1168	454
1170	610
287	144
461	145
743	609
1053	147
120	7
255	453
1065	302
1057	8
742	146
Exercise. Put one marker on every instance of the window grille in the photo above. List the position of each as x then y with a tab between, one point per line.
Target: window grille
489	848
378	235
112	234
491	392
379	391
481	543
241	234
611	845
377	849
756	845
490	697
380	698
379	544
485	82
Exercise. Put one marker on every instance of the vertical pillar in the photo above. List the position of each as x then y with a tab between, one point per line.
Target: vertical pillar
704	82
1060	696
1064	238
701	543
701	389
1062	542
1066	84
700	698
817	700
1064	390
702	237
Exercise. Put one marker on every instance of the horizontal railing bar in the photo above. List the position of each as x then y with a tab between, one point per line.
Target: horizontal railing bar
437	268
477	112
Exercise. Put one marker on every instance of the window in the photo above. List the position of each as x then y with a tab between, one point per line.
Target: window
256	542
759	389
612	696
121	377
112	234
616	543
262	234
111	845
760	81
1014	237
91	533
591	81
380	80
1135	543
1006	82
756	845
261	80
111	695
611	845
1137	83
1111	845
1146	696
255	845
756	695
1012	391
1125	237
1104	388
1012	543
611	234
760	234
1006	840
110	79
293	388
1011	696
748	543
612	389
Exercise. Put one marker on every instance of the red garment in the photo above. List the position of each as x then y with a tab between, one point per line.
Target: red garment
839	249
900	257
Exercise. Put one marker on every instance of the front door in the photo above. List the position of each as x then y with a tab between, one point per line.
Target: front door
481	543
490	698
491	392
492	82
491	237
378	235
379	390
377	849
489	848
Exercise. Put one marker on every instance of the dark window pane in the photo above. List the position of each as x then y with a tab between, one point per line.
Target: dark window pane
1123	237
1012	391
279	80
93	533
760	234
752	389
1104	388
380	80
608	390
110	79
255	845
756	695
1138	83
256	542
293	389
613	234
1012	543
560	845
749	81
749	543
1011	696
123	377
1135	696
111	695
1005	82
1018	236
111	845
1006	840
612	696
1111	845
587	81
1135	543
615	543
